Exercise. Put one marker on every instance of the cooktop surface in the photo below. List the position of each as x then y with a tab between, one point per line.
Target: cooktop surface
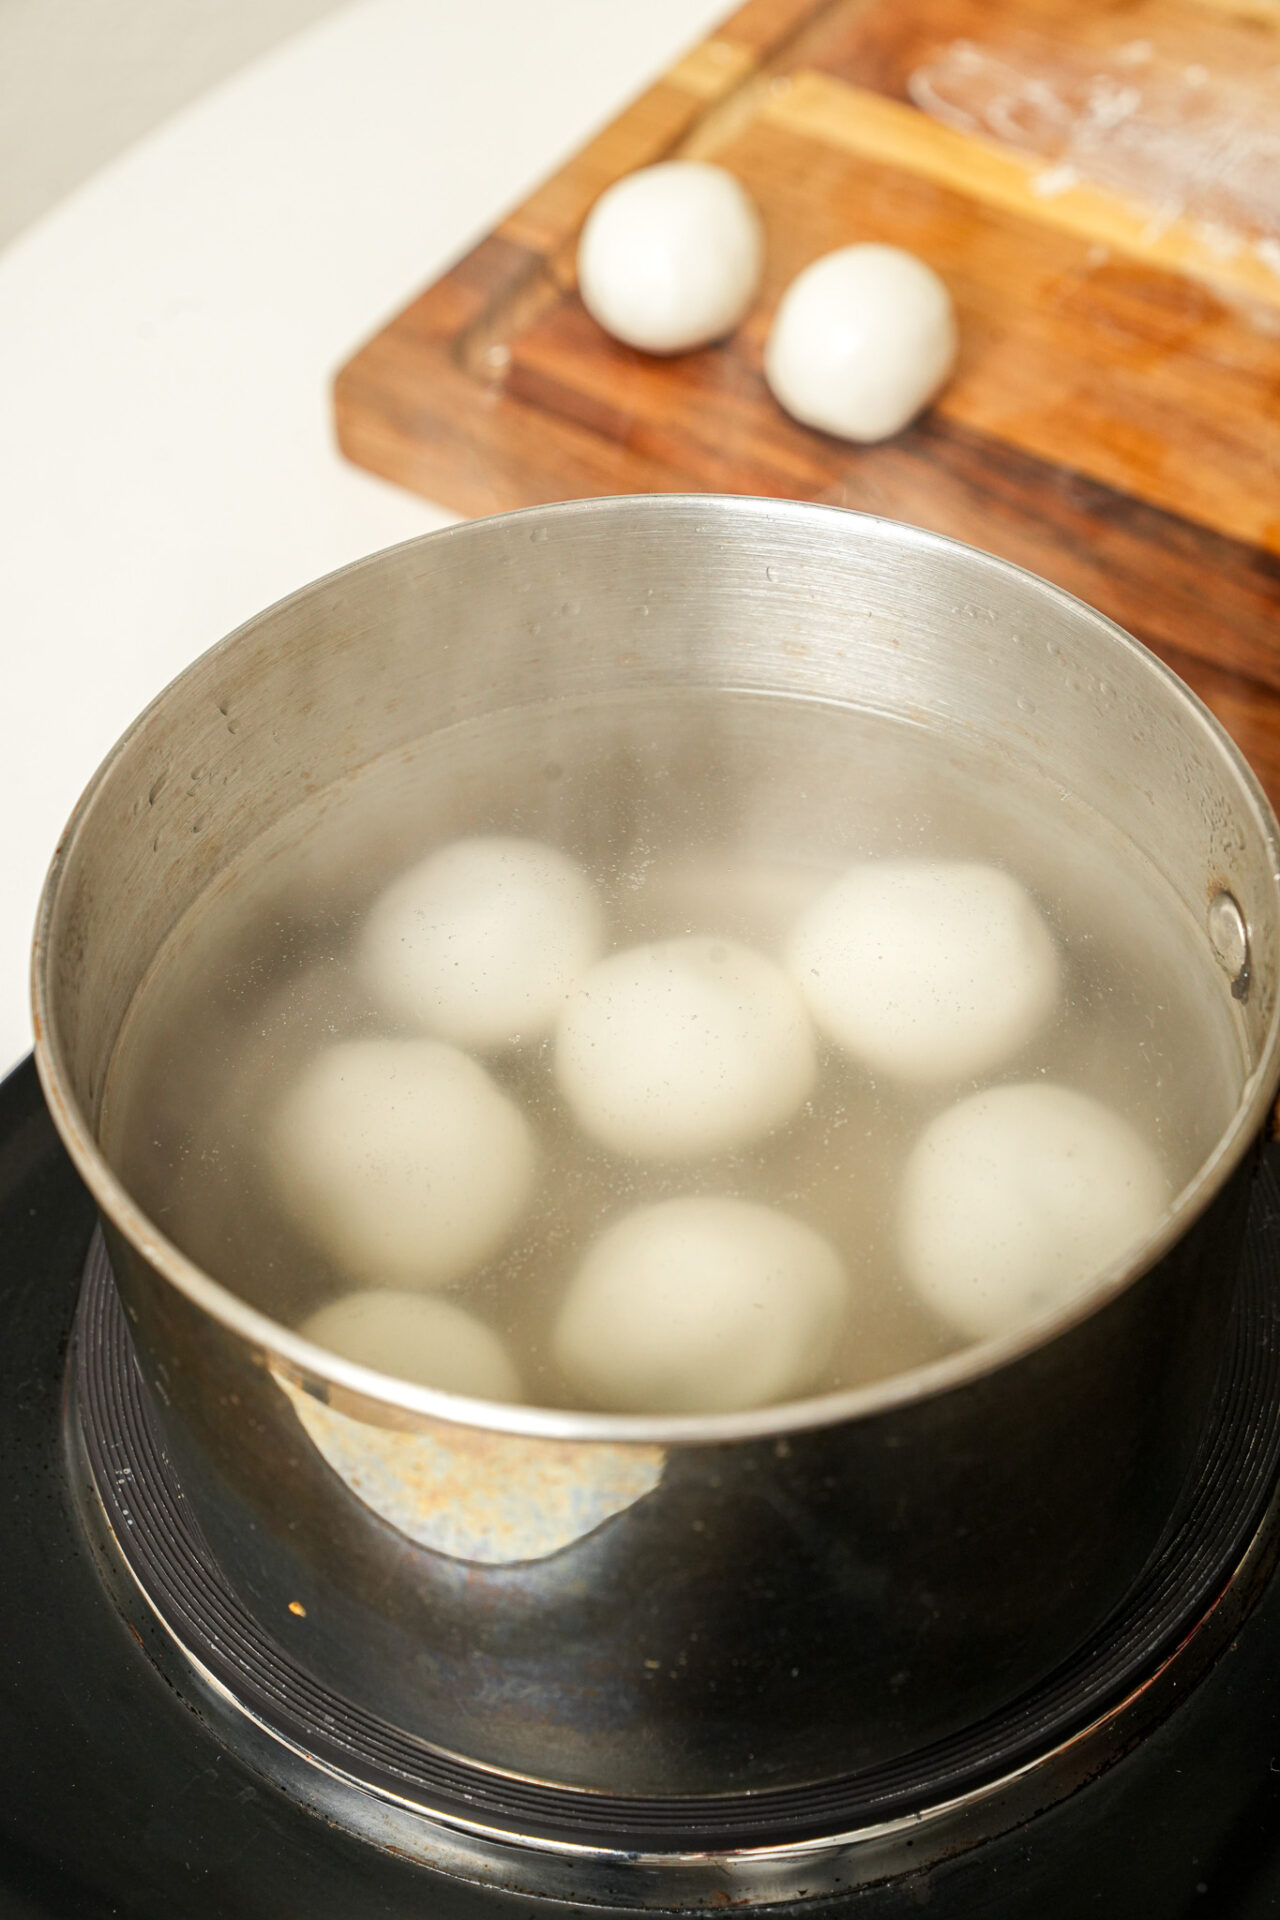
119	1797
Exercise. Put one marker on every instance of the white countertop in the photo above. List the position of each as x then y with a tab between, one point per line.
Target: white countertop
170	331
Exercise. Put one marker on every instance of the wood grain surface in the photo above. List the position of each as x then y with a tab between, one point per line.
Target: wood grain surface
1114	421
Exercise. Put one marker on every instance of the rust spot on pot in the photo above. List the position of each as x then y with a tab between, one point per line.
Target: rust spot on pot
493	1498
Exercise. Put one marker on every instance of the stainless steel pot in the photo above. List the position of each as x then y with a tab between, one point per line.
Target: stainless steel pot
657	1605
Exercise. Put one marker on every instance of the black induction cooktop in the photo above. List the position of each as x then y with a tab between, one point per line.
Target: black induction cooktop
119	1798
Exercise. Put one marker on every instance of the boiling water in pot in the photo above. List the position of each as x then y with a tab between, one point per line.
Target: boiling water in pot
718	816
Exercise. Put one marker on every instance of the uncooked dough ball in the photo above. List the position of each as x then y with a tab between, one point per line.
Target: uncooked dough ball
862	340
926	970
1016	1198
683	1048
482	941
417	1337
402	1160
701	1305
670	258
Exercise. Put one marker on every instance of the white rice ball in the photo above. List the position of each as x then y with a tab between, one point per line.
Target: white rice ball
417	1337
701	1305
863	339
1017	1197
401	1160
671	257
926	970
684	1048
482	940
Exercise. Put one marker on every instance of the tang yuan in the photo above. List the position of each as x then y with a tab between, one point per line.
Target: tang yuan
701	1305
671	256
402	1160
1017	1197
927	970
417	1337
684	1048
482	941
863	339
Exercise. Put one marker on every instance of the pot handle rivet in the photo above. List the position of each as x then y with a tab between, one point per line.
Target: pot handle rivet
1229	938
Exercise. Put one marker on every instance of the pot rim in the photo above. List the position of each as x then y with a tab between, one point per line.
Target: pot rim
313	1367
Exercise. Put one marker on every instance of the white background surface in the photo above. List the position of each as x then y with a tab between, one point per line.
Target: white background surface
168	334
81	80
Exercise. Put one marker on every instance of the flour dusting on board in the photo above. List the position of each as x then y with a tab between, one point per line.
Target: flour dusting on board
1188	144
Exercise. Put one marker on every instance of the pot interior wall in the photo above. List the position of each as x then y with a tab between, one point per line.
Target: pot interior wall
648	593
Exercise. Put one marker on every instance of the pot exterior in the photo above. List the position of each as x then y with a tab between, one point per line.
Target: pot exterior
771	1601
761	1613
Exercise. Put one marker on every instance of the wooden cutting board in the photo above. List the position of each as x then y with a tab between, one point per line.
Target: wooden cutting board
1098	181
